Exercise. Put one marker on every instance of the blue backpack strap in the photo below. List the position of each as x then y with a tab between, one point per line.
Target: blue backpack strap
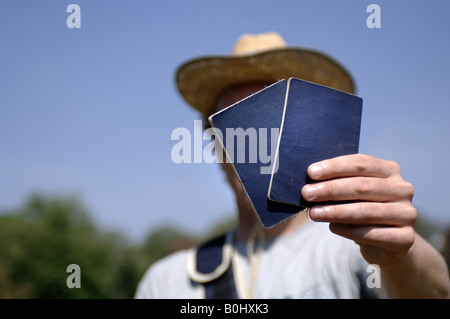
210	265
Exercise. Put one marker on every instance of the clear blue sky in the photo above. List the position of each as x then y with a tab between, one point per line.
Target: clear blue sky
90	111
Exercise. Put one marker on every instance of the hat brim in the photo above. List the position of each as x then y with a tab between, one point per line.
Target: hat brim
200	81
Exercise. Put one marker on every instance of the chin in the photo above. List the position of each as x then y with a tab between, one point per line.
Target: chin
244	200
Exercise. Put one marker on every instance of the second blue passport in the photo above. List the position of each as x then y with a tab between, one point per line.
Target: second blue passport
318	123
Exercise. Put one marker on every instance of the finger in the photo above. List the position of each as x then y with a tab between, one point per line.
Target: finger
353	165
391	238
359	188
363	213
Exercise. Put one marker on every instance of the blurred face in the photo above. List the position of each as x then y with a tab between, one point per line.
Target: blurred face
238	93
228	98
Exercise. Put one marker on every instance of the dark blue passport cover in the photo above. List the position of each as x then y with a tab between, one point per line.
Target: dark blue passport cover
263	109
318	123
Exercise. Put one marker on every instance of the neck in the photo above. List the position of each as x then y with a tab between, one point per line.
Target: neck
248	221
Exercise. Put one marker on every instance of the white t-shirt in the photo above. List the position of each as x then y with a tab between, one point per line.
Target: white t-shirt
310	262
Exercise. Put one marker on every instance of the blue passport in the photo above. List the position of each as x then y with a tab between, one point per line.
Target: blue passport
318	123
259	113
271	137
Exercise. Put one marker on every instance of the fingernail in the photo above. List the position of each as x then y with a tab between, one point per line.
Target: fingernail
317	212
310	192
315	171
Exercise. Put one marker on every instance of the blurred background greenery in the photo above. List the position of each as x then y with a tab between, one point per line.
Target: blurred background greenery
47	233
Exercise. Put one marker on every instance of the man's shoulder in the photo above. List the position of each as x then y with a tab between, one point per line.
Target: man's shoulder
169	265
167	272
176	259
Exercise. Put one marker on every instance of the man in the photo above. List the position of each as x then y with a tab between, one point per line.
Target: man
302	257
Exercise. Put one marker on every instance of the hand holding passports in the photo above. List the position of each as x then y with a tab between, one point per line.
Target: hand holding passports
307	123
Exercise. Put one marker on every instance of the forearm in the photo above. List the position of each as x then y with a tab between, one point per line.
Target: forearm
423	273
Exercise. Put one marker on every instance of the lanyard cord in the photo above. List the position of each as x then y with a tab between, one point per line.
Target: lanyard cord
253	261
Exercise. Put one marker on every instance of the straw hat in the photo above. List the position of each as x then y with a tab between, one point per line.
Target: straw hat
256	58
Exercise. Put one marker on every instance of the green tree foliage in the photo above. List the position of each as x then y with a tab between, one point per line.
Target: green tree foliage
39	240
165	240
48	233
